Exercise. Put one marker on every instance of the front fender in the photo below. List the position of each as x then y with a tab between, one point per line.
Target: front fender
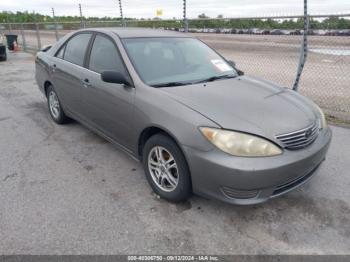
154	108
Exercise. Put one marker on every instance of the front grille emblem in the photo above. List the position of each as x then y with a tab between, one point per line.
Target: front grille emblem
300	138
308	133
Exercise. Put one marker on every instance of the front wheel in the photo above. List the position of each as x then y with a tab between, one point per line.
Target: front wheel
166	169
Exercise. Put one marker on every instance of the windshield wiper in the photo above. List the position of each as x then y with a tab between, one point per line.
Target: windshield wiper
210	79
171	84
213	78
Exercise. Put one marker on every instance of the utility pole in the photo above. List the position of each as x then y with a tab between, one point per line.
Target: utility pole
54	19
81	17
121	12
303	48
185	21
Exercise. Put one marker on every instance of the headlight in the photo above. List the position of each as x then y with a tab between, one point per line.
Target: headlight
323	121
240	144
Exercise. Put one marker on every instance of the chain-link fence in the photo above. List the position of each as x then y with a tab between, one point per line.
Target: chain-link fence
272	54
326	76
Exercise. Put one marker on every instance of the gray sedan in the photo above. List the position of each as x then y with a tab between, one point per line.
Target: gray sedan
194	120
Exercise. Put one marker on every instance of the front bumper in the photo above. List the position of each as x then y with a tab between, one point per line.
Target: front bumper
242	180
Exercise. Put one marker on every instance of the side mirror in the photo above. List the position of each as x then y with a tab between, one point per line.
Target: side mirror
233	64
114	77
45	48
240	72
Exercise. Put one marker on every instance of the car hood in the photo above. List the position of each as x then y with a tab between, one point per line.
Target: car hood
247	104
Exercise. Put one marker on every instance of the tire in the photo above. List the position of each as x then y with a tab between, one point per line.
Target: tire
178	170
58	115
4	58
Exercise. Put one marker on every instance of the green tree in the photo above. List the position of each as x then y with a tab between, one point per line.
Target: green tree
203	16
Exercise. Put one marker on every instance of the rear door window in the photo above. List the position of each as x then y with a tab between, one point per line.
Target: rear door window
76	48
61	52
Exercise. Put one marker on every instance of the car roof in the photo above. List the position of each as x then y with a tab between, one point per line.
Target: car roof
131	32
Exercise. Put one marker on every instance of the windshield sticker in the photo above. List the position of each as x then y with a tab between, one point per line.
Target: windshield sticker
221	65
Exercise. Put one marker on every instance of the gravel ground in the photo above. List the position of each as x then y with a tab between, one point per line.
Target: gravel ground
64	190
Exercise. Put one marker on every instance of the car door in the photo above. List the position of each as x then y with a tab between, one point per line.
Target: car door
107	106
67	71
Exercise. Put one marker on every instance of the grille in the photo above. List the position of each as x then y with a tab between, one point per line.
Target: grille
239	194
294	183
299	139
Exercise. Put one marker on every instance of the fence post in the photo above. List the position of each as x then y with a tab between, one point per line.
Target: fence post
10	27
24	43
56	32
54	19
38	36
303	49
9	24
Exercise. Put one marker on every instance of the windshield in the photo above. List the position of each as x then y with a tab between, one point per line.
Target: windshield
175	61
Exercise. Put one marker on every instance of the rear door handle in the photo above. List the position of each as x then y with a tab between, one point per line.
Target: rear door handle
86	83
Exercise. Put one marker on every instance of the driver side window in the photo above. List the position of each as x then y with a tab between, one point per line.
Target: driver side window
105	56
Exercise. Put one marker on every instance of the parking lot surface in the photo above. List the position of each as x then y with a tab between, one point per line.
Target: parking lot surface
64	190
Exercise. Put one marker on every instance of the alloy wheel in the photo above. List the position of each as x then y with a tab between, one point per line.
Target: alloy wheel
163	168
54	104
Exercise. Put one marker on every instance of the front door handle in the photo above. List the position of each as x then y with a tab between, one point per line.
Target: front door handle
86	83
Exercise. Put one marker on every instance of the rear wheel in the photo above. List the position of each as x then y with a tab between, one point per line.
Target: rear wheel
166	168
56	112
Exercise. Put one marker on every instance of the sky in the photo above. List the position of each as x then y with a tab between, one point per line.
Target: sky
173	8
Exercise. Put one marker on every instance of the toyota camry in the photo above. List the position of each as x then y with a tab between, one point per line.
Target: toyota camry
195	121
